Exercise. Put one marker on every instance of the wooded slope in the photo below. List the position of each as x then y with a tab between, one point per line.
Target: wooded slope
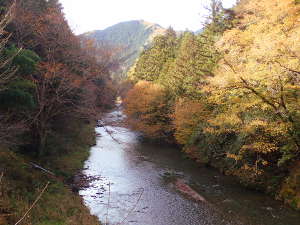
230	94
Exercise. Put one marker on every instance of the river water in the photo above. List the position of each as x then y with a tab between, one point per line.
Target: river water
136	185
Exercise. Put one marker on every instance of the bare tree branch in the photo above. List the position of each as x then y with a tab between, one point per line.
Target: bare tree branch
33	204
133	208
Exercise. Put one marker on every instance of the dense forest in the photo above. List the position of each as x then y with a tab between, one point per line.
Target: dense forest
229	96
53	87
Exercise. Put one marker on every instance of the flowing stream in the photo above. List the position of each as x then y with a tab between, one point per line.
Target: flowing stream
146	184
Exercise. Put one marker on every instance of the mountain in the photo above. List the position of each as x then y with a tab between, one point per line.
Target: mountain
130	37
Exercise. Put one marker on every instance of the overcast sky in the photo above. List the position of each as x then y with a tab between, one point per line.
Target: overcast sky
91	15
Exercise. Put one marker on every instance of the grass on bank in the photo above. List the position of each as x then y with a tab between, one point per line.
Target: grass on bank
21	184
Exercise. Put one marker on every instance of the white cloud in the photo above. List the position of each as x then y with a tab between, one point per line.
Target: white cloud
90	15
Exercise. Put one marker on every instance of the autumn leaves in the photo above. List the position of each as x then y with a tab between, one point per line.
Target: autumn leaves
61	77
230	95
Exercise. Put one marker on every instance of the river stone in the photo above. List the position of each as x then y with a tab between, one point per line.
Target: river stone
228	201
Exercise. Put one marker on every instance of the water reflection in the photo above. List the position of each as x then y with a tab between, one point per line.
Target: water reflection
137	185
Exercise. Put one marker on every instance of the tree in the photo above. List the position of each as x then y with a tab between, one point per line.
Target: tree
9	127
257	89
188	114
148	110
152	60
195	62
6	73
218	19
69	81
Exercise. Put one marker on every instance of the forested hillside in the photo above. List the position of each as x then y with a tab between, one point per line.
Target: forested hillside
51	93
128	38
228	95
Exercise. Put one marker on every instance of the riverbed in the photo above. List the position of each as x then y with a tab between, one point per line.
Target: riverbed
137	184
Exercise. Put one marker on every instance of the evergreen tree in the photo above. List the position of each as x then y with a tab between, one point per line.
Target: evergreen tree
152	60
195	61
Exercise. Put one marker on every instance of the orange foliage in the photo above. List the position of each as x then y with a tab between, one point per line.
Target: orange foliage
147	106
187	116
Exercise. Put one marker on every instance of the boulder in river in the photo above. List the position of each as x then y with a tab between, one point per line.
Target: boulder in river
187	190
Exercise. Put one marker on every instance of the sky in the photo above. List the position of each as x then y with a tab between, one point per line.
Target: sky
89	15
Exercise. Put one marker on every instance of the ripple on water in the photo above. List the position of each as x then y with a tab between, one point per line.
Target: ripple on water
139	182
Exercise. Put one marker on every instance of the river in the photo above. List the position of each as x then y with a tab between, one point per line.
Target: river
137	185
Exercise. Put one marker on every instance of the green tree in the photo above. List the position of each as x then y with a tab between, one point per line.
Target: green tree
152	60
195	61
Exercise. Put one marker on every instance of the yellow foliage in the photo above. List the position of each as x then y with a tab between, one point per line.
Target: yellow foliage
256	87
256	84
246	115
261	147
262	37
233	156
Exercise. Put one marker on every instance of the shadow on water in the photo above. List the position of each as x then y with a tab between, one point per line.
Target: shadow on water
139	184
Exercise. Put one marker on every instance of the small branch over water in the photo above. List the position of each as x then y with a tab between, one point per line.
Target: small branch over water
133	208
34	203
108	204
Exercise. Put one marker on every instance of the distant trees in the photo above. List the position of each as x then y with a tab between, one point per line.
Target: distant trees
152	61
181	66
218	18
194	62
